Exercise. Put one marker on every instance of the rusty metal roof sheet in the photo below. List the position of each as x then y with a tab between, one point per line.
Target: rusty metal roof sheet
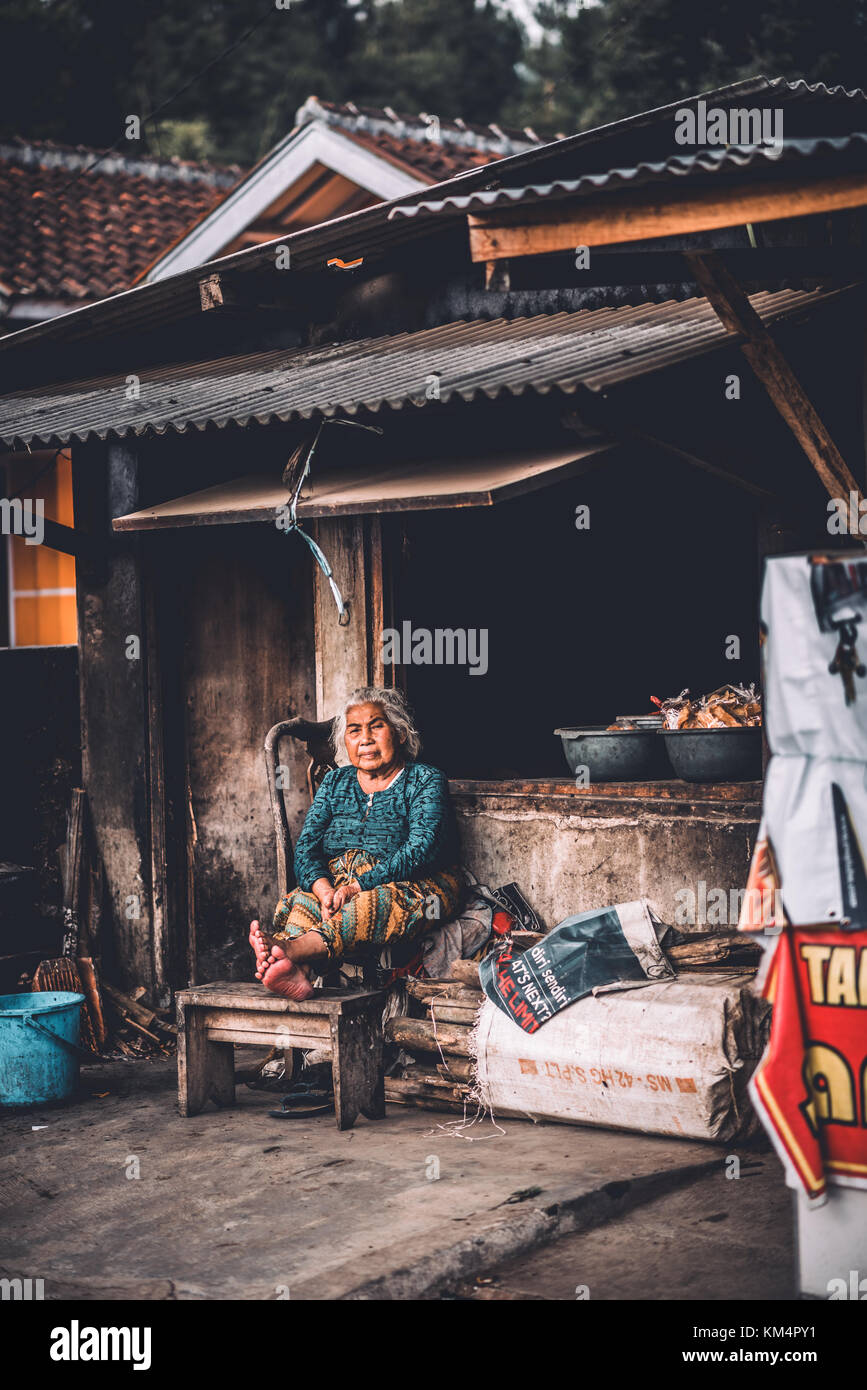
594	347
727	159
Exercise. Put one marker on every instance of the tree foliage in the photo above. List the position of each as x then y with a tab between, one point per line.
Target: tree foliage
74	69
603	61
451	58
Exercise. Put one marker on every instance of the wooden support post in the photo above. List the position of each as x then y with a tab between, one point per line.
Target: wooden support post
375	601
157	796
190	836
735	313
113	644
351	655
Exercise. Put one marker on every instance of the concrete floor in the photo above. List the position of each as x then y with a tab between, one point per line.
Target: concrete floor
715	1238
118	1197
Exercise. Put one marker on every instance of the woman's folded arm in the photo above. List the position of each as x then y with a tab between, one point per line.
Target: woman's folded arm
430	836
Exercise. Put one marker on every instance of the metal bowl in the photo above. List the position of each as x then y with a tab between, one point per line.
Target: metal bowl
715	755
615	756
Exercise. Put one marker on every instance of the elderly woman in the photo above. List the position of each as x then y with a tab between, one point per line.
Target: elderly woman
376	860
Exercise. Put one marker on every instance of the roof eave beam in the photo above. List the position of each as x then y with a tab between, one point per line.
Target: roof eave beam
648	212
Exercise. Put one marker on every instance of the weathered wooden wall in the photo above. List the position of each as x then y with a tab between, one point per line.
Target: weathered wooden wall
173	724
248	663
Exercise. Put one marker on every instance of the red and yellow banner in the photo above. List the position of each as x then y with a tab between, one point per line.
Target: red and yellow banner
811	1085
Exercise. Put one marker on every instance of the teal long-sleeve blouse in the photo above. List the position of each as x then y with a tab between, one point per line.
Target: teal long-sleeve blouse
408	827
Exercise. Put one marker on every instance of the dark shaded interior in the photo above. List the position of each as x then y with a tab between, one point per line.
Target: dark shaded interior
582	625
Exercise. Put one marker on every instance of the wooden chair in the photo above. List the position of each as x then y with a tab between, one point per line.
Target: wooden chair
316	738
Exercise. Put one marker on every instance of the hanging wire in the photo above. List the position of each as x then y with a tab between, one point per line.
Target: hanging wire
295	525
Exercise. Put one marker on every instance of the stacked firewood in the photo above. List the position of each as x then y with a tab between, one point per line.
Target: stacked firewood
436	1032
436	1035
112	1023
715	951
136	1028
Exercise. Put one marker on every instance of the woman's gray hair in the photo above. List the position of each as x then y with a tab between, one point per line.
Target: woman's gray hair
396	711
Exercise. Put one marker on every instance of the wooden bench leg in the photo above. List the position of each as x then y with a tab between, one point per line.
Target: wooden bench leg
359	1084
206	1070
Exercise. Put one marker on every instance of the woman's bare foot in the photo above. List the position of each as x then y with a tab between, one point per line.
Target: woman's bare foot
261	948
285	977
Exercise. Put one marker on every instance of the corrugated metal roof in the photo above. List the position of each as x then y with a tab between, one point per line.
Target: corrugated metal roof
709	161
594	347
372	232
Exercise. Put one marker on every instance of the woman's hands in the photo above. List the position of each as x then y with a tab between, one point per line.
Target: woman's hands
341	895
332	899
323	889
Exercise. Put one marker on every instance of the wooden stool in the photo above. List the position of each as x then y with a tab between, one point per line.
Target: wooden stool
212	1018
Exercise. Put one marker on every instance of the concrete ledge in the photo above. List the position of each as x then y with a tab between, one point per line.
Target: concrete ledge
435	1266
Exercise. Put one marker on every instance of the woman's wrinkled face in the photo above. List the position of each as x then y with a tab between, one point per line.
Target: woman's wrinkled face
371	743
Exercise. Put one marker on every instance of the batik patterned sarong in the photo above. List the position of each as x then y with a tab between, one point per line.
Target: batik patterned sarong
373	919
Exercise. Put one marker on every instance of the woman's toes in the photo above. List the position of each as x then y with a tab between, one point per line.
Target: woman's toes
262	947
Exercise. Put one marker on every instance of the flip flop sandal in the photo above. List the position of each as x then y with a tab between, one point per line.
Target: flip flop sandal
303	1103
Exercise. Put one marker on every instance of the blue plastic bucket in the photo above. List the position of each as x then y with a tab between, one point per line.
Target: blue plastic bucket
39	1053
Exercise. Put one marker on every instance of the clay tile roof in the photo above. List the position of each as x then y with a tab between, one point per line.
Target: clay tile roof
428	160
69	231
78	226
431	147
